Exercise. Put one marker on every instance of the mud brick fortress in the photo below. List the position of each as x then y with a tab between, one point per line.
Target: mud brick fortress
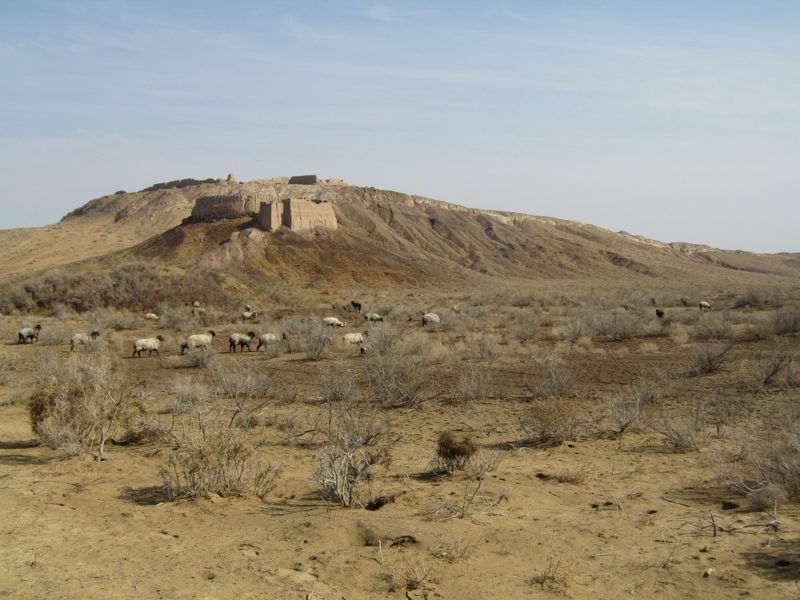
270	207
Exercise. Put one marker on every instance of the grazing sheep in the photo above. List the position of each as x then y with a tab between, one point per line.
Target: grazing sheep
82	339
659	313
684	301
333	322
356	305
242	340
630	308
362	350
28	333
149	344
457	308
196	304
428	318
703	304
198	340
269	338
249	315
151	316
373	317
355	338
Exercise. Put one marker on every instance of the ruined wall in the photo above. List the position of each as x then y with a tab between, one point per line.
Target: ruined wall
229	206
297	215
303	179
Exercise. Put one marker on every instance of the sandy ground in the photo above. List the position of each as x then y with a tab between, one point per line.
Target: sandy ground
640	525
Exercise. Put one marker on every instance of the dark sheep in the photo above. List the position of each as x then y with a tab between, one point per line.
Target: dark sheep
659	313
356	305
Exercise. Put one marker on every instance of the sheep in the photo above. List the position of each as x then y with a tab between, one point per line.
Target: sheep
659	313
149	344
355	338
242	340
333	322
684	301
269	338
249	315
196	304
373	317
151	316
428	318
362	350
198	340
356	305
82	339
28	333
703	304
631	308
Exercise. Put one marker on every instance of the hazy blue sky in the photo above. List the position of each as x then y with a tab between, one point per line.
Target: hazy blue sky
675	120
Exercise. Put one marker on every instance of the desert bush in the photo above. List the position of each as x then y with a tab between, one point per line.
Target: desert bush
549	421
486	346
186	394
713	326
574	475
81	405
707	359
356	439
246	384
751	298
763	370
382	340
8	363
617	326
678	333
337	383
768	497
548	378
786	320
555	577
211	456
524	327
684	432
633	407
399	381
296	329
453	454
581	327
455	549
473	383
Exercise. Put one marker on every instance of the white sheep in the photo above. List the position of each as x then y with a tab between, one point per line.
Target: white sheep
149	344
373	317
28	333
428	318
198	340
249	315
333	322
82	339
151	316
355	338
703	304
269	338
240	339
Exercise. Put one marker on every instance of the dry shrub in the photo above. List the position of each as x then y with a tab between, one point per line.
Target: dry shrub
786	320
768	461
211	456
524	327
486	346
316	341
8	363
713	326
296	329
337	383
583	326
103	319
769	497
80	403
573	475
762	371
617	326
684	432
555	577
455	549
678	333
382	340
550	379
632	408
186	395
549	421
399	381
246	384
356	439
453	454
405	576
473	383
707	359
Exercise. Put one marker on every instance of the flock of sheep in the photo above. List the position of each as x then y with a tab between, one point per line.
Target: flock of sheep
203	341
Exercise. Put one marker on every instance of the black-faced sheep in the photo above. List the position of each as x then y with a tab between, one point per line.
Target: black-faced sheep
198	340
149	344
333	322
82	339
242	340
355	338
659	313
356	305
249	315
28	333
268	338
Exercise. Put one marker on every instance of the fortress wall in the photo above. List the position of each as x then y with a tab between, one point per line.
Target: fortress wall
229	206
303	215
270	216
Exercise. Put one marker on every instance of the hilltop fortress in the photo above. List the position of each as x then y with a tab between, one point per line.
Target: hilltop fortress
276	203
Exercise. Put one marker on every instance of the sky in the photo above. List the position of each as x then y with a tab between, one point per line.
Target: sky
678	120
